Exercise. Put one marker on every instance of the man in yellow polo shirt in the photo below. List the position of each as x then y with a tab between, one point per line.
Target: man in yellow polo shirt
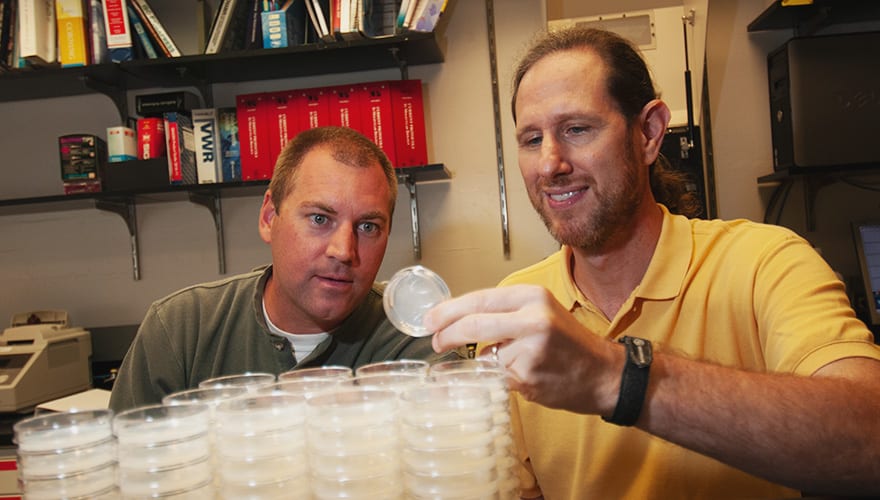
656	356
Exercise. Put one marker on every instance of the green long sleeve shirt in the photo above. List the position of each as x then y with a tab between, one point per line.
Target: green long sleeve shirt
218	328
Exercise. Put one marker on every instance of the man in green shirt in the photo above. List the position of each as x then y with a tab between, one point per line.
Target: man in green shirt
326	215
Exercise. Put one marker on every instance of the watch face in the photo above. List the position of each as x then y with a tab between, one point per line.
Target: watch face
639	351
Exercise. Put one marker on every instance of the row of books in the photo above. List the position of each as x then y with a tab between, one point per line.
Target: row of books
254	24
390	113
80	32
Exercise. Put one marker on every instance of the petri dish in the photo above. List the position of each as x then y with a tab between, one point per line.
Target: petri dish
410	293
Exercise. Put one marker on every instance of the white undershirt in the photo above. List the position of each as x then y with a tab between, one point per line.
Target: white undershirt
303	343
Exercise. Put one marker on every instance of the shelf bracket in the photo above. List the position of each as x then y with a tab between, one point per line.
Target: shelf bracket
496	113
116	94
125	208
211	201
401	63
410	183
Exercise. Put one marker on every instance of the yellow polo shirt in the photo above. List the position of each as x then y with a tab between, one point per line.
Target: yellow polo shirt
735	293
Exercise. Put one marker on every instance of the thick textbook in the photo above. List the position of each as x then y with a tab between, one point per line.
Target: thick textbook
72	44
253	136
410	144
206	136
37	43
157	31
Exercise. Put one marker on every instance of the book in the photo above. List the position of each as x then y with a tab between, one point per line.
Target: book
163	102
157	31
410	143
377	117
319	13
281	113
380	19
188	168
142	40
253	135
427	14
121	144
254	31
150	138
172	147
230	152
71	26
7	26
116	25
36	32
180	148
345	106
228	30
207	145
98	51
313	108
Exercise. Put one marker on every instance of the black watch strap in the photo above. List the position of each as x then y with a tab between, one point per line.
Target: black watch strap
633	382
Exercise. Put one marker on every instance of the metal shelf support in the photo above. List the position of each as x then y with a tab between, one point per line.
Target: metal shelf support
410	183
114	92
211	201
125	208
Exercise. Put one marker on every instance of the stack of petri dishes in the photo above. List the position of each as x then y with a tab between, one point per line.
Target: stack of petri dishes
447	445
164	452
67	455
353	444
489	374
261	447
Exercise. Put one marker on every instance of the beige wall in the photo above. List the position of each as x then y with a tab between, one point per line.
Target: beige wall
78	259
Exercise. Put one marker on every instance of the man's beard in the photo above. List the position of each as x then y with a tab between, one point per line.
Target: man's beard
592	231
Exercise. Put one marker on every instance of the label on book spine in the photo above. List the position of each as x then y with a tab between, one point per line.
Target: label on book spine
207	144
119	39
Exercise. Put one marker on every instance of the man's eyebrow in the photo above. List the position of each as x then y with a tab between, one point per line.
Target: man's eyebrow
317	205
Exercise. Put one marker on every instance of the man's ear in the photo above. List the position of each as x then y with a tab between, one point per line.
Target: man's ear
267	215
655	120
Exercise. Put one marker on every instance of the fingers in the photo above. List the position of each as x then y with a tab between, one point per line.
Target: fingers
485	316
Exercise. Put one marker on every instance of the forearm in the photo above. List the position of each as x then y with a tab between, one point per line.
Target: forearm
814	434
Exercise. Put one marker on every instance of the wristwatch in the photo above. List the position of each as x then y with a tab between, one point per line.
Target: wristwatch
633	382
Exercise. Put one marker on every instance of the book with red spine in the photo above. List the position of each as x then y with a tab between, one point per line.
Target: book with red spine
253	135
410	141
281	112
150	138
172	148
345	106
313	108
116	25
377	117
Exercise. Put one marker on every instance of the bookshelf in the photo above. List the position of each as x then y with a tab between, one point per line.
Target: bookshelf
201	72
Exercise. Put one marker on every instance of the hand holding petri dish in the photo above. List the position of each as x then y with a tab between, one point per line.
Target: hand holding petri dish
410	293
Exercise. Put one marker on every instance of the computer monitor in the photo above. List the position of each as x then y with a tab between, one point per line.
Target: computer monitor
867	239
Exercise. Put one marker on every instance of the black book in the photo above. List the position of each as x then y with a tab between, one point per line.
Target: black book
157	104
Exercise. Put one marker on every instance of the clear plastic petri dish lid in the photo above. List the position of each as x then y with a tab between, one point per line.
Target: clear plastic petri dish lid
410	293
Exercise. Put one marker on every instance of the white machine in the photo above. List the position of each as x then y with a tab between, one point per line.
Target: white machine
42	358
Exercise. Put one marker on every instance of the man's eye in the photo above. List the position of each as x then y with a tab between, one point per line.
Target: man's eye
369	227
576	130
530	141
318	219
